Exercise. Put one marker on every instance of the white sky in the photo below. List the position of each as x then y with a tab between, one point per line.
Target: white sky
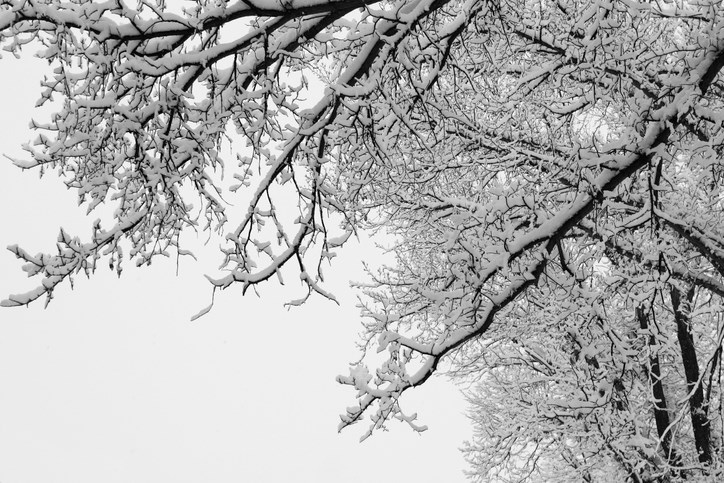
112	383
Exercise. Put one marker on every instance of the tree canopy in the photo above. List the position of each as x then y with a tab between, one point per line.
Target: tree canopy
547	174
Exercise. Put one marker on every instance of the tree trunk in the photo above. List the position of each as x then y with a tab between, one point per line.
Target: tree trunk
661	413
699	420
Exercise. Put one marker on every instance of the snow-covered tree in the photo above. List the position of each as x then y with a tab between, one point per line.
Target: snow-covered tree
546	173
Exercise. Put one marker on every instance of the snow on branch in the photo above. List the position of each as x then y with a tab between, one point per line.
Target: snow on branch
547	172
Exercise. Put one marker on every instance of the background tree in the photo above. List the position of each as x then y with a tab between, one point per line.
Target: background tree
548	173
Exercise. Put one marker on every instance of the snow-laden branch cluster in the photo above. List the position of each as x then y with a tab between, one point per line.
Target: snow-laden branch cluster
549	173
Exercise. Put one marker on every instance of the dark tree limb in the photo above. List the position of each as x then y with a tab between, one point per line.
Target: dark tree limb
661	408
697	408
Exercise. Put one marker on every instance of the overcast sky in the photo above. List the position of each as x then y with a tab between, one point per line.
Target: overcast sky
113	383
